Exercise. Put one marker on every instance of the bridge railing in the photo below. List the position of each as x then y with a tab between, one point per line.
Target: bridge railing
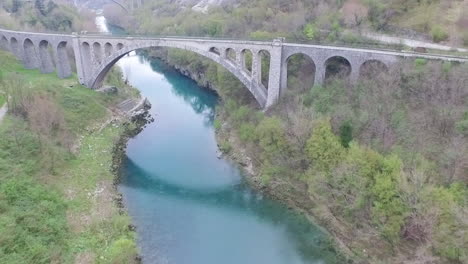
353	43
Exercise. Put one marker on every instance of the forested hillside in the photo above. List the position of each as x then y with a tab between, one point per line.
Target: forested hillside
325	20
382	164
44	15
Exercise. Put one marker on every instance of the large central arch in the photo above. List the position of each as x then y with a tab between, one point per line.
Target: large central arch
98	74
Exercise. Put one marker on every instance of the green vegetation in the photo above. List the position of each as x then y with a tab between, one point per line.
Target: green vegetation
326	21
2	100
367	160
465	38
56	186
372	155
43	15
439	34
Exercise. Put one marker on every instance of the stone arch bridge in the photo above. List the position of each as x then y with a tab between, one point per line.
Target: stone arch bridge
96	54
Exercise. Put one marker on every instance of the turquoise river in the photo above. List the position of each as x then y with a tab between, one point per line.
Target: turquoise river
188	205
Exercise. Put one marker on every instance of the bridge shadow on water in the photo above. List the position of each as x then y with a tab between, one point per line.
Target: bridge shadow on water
312	243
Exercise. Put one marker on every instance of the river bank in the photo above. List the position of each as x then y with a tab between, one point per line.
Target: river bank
59	201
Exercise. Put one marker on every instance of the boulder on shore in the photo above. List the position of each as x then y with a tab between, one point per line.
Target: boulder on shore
108	89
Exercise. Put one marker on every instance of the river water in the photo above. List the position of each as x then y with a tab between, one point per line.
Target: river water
190	207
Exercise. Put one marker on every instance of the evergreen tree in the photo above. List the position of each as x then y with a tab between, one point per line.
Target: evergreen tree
15	6
51	6
40	6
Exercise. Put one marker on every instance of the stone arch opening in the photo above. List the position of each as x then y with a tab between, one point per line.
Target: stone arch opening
265	58
87	64
98	75
300	74
337	67
108	49
120	46
45	55
372	69
4	44
97	52
215	51
30	56
15	47
64	69
246	61
231	55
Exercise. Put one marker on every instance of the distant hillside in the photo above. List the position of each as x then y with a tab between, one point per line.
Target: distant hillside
44	15
439	21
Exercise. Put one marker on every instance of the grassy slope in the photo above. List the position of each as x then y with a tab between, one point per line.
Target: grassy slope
65	214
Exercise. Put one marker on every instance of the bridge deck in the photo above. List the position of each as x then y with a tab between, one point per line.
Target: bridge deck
381	51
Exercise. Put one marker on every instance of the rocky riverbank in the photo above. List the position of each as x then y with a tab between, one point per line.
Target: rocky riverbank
137	119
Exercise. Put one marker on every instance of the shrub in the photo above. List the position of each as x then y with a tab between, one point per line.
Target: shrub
446	67
270	171
247	132
388	209
444	203
438	34
122	251
225	147
323	147
462	125
272	138
324	98
217	124
311	31
241	114
346	133
465	39
308	98
420	64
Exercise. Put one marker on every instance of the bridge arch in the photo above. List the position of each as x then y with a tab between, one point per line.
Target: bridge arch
97	52
246	57
372	68
305	66
4	44
264	60
30	55
108	48
45	56
215	51
230	55
14	46
98	75
86	55
63	62
337	66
